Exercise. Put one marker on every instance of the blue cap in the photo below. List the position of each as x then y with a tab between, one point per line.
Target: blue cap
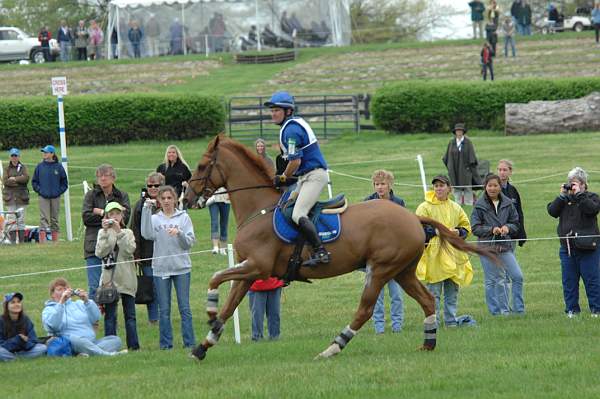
14	151
9	297
49	148
281	99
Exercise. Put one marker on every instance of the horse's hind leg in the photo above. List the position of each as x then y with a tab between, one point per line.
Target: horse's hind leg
413	287
363	313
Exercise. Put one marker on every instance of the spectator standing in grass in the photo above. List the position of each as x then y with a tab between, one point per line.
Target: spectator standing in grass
15	193
383	181
92	213
495	222
461	162
508	30
176	32
596	22
260	146
75	320
135	36
487	61
17	334
64	38
144	249
445	269
152	36
493	13
505	170
175	169
577	211
523	17
477	10
50	182
44	38
81	41
491	35
219	206
116	242
114	43
173	235
264	297
96	40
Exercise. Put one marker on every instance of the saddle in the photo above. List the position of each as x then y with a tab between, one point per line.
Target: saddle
326	217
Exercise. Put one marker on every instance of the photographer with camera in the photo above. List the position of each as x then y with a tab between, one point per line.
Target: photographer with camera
64	317
115	246
144	249
577	212
495	222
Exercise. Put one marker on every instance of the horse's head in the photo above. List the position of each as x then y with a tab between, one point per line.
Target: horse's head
206	178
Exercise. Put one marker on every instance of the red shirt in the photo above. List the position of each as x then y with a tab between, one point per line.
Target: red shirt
272	283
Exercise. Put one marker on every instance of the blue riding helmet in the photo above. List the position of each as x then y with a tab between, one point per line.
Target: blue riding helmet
281	99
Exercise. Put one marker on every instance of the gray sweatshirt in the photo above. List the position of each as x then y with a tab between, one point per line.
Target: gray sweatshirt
154	227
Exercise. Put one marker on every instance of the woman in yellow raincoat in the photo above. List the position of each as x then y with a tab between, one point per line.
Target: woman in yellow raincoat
445	269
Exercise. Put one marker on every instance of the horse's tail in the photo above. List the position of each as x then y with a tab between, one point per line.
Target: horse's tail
446	237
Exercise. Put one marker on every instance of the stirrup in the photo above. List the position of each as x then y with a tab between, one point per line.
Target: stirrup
319	256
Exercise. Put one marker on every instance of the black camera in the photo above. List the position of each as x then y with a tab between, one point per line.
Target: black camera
567	186
144	193
76	292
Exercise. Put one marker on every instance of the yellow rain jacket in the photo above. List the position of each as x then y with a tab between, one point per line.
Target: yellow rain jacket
438	264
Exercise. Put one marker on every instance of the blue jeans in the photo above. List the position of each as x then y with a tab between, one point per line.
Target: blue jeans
262	302
219	220
37	351
509	40
152	306
396	308
94	271
496	287
65	50
110	320
182	290
450	289
106	346
582	264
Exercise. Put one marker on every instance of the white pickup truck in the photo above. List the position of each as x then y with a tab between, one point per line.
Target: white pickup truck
16	45
577	23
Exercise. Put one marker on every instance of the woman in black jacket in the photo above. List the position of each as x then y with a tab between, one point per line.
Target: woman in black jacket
175	170
17	335
505	170
577	210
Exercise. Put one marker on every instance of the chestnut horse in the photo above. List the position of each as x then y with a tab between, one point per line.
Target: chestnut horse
379	233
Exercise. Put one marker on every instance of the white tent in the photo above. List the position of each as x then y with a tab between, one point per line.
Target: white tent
206	26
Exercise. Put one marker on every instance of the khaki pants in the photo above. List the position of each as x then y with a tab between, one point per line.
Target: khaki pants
309	190
477	24
49	213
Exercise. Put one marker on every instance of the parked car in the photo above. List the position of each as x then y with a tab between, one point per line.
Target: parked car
16	45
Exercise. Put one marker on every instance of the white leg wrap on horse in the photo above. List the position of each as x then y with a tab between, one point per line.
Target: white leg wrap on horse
212	300
212	338
344	337
431	319
332	350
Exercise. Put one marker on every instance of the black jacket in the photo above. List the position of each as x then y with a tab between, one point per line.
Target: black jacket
511	192
175	175
13	342
95	199
576	214
484	218
144	249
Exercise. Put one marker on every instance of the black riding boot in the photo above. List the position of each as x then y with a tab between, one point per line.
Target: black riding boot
320	254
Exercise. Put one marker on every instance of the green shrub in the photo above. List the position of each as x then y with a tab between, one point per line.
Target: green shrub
434	106
104	119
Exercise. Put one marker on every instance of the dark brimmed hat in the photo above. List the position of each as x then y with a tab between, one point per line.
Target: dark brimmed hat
459	126
9	297
441	178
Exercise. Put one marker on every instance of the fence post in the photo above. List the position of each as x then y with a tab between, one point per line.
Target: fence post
229	112
325	116
260	114
356	109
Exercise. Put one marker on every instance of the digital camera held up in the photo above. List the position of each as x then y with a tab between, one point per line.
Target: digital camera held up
567	186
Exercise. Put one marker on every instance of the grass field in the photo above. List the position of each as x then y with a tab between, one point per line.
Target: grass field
540	355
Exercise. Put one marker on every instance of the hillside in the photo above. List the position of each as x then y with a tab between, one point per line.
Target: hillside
350	69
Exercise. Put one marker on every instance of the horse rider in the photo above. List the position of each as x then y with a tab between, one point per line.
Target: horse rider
306	163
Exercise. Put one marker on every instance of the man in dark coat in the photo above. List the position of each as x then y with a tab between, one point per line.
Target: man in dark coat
461	162
92	213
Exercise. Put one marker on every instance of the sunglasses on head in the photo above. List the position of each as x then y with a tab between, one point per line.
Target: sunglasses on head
153	185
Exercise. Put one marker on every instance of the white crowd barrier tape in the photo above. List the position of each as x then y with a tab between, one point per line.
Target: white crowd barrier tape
368	179
371	161
94	266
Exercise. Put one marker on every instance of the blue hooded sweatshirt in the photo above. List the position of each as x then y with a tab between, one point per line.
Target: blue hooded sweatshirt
15	343
71	319
49	180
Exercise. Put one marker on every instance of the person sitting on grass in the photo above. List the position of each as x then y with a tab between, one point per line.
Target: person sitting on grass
17	334
75	320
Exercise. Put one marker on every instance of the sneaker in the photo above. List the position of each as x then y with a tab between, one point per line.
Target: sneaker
571	314
595	315
83	355
215	250
223	251
121	352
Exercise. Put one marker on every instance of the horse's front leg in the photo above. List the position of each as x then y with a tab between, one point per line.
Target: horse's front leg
244	273
373	286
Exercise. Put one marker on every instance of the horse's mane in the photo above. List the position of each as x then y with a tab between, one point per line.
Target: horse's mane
254	159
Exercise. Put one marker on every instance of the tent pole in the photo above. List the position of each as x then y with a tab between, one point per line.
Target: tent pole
118	36
258	45
183	28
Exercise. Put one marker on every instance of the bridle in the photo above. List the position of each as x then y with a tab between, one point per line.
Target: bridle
207	192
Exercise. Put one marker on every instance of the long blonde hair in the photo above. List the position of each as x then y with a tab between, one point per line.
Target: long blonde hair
179	156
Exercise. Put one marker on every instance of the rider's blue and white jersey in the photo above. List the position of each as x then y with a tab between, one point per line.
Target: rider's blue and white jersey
298	141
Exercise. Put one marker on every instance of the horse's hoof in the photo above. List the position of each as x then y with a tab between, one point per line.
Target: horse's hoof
199	353
427	347
331	351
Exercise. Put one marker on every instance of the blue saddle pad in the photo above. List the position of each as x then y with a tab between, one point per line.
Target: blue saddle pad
328	226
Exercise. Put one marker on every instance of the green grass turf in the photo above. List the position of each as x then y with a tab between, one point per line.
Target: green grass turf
540	355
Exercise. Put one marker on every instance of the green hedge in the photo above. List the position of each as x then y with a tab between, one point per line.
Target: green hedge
105	119
434	106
